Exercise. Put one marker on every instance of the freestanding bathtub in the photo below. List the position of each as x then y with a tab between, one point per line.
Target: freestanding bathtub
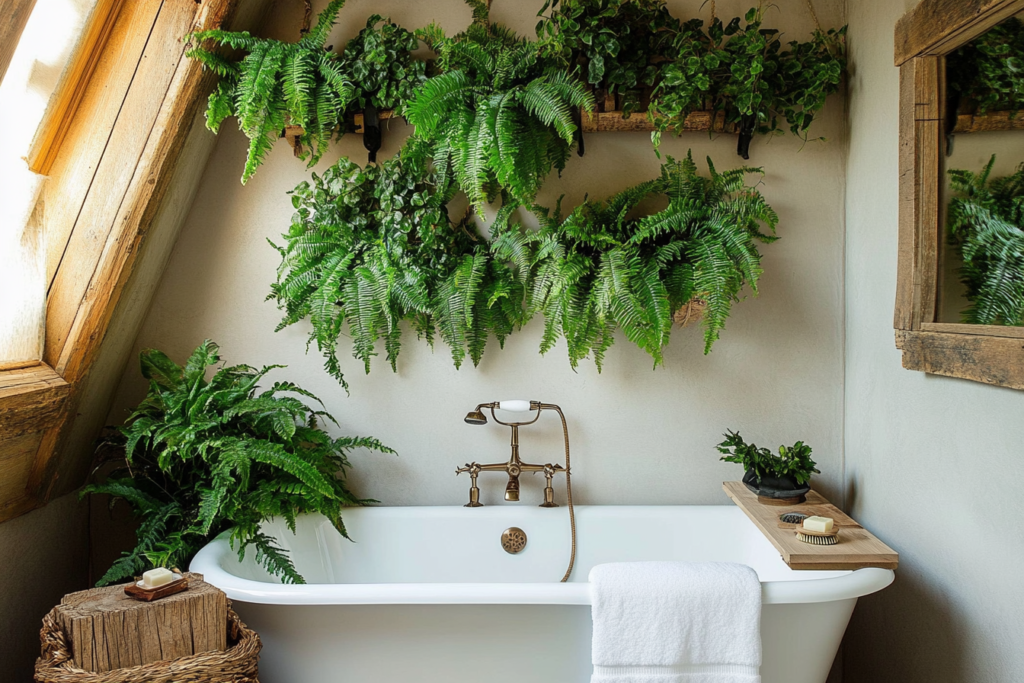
428	594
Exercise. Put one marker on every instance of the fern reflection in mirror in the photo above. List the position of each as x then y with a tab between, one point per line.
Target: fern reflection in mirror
198	457
986	227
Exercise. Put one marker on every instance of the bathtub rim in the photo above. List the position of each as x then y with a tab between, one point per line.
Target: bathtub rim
207	562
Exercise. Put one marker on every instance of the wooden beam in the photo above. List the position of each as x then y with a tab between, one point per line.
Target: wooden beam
31	399
937	27
15	14
991	122
979	330
992	360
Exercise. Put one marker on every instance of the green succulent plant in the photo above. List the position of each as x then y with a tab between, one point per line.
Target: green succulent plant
986	228
200	456
794	461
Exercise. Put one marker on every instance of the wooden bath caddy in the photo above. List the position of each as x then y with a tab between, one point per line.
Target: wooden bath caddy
857	548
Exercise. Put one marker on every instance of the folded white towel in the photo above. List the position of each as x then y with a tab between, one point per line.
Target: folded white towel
676	622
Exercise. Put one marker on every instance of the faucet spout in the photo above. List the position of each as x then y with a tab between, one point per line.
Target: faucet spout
512	487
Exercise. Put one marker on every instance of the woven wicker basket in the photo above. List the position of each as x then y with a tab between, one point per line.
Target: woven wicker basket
237	664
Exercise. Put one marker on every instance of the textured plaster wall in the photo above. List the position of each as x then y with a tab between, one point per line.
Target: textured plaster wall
639	435
931	462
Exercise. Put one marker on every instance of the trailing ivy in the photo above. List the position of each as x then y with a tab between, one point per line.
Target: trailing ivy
747	73
987	73
616	44
373	247
598	269
305	84
199	457
986	228
498	115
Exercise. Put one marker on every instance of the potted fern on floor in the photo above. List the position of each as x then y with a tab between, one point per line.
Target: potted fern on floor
200	457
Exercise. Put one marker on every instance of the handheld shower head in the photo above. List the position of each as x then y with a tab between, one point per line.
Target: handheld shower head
476	417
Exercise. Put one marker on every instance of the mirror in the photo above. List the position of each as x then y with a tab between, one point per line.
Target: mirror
981	198
960	302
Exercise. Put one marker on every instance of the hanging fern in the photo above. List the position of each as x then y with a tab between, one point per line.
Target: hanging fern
598	269
986	227
374	247
304	84
499	117
746	72
199	457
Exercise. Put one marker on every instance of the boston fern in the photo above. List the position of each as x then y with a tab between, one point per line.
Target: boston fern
499	116
598	269
374	247
199	457
305	84
986	227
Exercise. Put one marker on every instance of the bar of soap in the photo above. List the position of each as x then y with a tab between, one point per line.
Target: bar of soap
821	524
157	577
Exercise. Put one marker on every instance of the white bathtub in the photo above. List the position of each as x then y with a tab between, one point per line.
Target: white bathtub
427	594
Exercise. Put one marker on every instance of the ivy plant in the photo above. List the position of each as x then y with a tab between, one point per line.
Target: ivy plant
986	228
616	44
200	456
373	247
794	461
499	116
597	268
304	83
744	70
988	73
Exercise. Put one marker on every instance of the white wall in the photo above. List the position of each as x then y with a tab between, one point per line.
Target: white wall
932	462
639	436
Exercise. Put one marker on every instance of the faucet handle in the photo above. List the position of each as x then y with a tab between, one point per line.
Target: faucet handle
473	468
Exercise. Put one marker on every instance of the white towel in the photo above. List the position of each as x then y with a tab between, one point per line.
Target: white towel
676	622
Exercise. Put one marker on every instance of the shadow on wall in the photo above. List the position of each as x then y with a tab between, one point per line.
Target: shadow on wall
43	555
910	629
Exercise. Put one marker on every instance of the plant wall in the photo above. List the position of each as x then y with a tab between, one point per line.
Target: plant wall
372	249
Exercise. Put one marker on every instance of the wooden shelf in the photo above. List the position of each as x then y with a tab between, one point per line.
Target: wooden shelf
598	122
990	122
857	548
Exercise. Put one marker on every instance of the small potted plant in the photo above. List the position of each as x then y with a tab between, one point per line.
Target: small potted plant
774	478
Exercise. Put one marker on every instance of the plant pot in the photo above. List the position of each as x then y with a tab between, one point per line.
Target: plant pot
776	490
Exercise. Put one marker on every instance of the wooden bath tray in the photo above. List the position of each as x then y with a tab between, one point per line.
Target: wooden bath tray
857	548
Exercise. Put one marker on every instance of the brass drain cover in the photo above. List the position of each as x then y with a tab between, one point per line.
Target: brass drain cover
513	540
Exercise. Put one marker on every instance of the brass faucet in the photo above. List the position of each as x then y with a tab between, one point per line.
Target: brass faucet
515	466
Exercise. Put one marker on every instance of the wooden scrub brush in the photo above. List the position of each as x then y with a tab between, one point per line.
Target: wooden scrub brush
818	537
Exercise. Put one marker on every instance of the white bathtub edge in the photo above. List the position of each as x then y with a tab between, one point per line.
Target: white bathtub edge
208	563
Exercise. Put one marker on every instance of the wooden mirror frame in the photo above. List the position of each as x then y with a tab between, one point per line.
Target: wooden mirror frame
984	353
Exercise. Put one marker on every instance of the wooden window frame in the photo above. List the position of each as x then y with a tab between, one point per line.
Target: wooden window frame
99	246
983	353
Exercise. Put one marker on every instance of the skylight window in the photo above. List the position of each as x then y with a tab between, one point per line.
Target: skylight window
30	81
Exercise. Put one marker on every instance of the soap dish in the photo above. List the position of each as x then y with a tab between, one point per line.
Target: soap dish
818	537
135	589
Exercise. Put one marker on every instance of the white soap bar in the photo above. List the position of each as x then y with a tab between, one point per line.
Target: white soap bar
157	577
822	524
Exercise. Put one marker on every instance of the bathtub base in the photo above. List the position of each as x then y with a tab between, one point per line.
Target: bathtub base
495	643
